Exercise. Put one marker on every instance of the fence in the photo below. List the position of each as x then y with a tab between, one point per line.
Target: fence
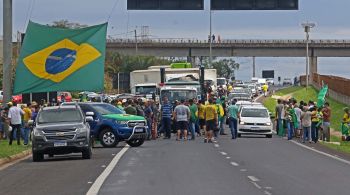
339	88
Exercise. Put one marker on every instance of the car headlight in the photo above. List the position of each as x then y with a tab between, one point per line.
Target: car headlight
267	124
37	133
122	122
241	123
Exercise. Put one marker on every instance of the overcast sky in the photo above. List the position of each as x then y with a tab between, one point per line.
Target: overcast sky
331	17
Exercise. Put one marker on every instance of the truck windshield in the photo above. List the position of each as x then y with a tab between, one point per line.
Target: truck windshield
145	89
178	94
221	82
104	109
59	115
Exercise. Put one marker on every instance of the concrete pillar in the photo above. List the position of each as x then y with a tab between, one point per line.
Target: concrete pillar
313	67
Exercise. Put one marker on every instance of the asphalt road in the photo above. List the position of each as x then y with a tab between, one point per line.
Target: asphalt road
249	165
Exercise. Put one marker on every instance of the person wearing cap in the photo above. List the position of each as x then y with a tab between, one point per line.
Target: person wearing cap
15	118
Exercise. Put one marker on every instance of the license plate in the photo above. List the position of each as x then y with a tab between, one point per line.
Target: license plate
139	130
60	144
255	128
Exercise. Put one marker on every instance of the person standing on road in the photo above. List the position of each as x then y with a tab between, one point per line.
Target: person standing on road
279	110
148	112
166	111
182	116
306	123
327	114
297	126
26	117
15	119
211	116
315	121
193	119
201	110
265	87
233	118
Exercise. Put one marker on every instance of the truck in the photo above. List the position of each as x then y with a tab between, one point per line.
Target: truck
175	92
152	76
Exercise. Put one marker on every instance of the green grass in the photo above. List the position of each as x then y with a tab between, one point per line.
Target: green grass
6	150
343	147
288	90
270	104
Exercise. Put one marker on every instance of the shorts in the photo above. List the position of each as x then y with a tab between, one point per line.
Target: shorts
182	125
201	122
211	125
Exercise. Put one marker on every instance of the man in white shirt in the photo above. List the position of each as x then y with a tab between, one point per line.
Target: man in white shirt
15	118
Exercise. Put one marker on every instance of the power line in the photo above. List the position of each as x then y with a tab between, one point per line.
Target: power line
110	14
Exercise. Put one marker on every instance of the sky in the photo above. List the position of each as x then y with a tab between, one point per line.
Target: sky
331	18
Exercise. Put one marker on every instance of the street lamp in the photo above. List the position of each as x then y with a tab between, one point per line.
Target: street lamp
210	38
307	26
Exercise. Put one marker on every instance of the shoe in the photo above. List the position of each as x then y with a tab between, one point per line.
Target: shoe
233	138
205	141
209	141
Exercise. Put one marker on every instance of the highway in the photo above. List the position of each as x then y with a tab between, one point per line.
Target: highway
249	165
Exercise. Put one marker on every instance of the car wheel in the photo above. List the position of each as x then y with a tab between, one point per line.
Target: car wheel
51	155
269	136
107	138
239	135
37	157
135	142
87	153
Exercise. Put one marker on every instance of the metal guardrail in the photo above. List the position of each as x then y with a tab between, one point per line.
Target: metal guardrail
229	41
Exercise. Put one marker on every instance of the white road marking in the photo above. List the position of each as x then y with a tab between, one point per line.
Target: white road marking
235	164
256	185
99	181
227	157
322	153
103	166
90	182
268	188
216	145
113	154
267	192
243	170
223	153
254	179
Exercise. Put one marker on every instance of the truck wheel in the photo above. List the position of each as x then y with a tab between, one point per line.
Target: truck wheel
37	157
135	142
87	153
107	138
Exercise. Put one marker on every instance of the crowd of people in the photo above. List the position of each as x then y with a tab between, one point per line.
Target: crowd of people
304	120
14	122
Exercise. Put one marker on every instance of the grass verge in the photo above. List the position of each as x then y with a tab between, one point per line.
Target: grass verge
6	150
343	147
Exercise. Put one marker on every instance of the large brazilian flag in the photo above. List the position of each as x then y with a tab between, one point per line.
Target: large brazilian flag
56	59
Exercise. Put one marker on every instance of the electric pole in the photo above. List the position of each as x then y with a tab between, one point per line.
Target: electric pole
7	52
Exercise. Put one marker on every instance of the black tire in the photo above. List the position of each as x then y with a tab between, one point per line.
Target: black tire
107	138
37	157
86	154
239	135
269	136
135	142
51	155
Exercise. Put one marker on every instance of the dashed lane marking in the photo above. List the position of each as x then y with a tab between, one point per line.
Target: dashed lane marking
267	192
227	157
243	170
216	145
96	186
235	164
254	179
256	185
223	153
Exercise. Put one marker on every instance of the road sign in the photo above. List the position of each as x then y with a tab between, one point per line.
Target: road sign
165	4
254	4
267	74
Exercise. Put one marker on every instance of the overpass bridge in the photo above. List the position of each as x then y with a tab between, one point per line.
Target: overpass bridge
192	48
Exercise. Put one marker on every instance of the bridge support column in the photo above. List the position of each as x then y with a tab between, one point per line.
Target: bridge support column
312	68
192	60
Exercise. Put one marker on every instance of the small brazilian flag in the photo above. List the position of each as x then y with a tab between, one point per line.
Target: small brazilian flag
56	59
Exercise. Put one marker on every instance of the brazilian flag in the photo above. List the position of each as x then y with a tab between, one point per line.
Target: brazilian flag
56	59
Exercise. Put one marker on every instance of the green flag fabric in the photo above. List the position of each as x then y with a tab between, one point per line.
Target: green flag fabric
56	59
321	96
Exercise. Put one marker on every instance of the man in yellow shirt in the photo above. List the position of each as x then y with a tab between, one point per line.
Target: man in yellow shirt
201	109
211	116
265	87
26	117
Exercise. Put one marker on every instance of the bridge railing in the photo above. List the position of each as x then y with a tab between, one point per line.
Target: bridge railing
228	41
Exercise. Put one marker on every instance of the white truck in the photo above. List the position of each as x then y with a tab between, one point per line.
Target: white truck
152	76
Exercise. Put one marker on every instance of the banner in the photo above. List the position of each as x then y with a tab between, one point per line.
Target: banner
57	59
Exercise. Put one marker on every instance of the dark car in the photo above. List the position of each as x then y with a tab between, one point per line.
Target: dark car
111	125
61	130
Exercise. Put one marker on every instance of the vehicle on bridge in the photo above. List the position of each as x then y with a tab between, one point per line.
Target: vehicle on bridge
111	125
254	120
61	130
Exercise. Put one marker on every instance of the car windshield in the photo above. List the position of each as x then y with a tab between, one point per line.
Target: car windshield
59	115
145	89
178	94
238	95
104	109
257	113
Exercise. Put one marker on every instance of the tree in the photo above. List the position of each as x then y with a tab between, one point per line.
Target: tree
66	24
226	67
